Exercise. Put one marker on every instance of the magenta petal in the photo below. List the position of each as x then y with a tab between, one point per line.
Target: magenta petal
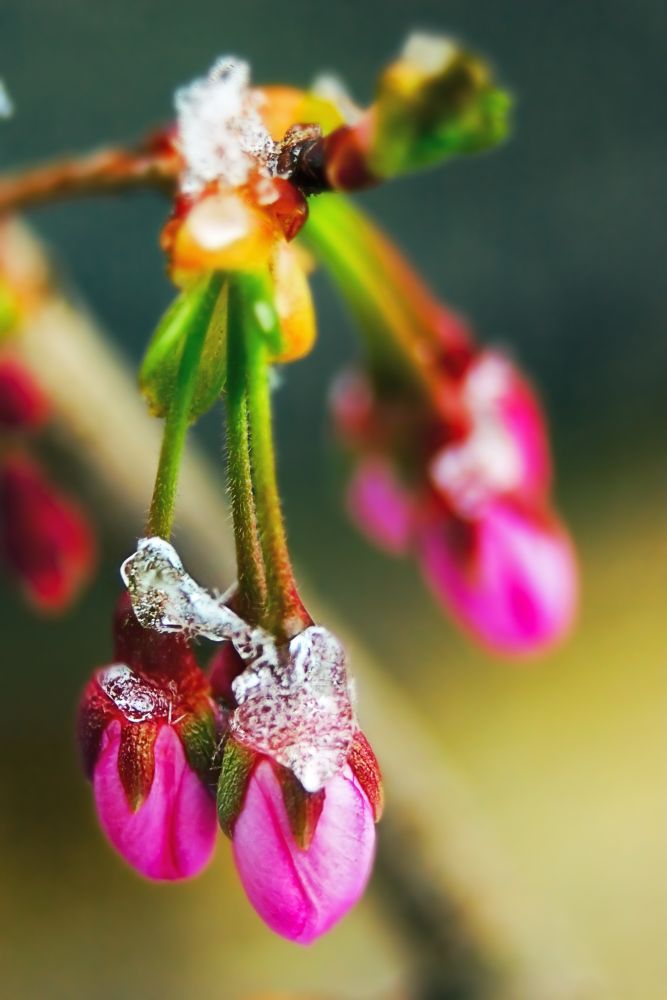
380	506
172	834
300	894
512	581
523	419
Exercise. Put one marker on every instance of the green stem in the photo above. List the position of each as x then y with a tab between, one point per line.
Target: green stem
250	566
286	614
161	514
397	313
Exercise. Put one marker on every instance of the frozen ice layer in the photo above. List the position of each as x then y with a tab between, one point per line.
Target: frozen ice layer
138	700
166	599
294	699
298	709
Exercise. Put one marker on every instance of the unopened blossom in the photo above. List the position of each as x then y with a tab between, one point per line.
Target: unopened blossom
45	539
304	858
147	729
471	500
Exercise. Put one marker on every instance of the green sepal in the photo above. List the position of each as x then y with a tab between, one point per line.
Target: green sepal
303	808
259	304
205	301
237	766
424	117
199	736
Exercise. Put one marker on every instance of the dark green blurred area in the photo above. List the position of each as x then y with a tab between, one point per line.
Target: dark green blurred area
555	247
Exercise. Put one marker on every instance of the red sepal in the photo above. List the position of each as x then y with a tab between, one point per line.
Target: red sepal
366	770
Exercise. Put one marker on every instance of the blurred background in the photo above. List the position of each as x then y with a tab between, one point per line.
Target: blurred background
555	247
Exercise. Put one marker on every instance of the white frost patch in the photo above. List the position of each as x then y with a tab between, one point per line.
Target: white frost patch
6	105
221	134
489	461
137	700
298	708
294	700
166	599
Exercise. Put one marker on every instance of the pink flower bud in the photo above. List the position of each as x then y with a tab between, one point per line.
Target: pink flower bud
510	576
44	537
171	835
22	402
148	734
380	506
302	891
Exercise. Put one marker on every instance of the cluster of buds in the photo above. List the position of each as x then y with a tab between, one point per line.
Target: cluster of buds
270	733
453	464
46	541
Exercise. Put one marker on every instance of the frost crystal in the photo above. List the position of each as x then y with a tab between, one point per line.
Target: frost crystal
294	700
134	697
166	599
488	461
298	709
220	132
6	106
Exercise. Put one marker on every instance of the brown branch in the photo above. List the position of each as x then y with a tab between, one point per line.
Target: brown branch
470	932
102	172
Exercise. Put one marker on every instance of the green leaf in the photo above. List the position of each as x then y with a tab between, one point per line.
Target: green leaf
202	302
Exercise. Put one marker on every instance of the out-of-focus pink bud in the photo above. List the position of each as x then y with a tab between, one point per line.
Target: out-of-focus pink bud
300	892
171	835
510	576
22	402
44	537
380	506
148	734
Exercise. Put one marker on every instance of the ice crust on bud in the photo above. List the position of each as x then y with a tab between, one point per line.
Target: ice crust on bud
297	708
221	135
166	599
294	700
135	698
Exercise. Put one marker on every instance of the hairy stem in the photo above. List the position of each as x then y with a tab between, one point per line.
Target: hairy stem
161	514
286	615
250	567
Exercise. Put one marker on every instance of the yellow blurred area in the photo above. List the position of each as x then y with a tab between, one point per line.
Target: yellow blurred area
567	756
